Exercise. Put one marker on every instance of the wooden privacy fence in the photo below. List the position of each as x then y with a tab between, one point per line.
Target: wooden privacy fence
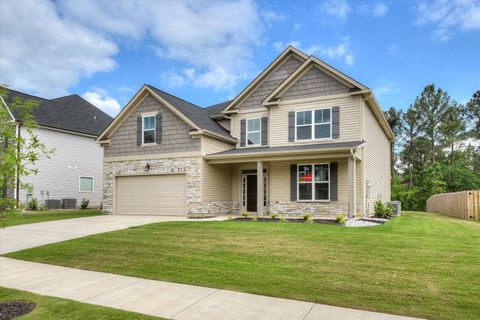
463	204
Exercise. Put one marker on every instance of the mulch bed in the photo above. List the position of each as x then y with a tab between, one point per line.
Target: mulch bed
288	220
14	309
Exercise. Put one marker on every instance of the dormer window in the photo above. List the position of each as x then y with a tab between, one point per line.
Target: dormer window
148	129
254	132
313	124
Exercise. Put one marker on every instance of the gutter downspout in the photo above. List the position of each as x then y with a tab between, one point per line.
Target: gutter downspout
17	191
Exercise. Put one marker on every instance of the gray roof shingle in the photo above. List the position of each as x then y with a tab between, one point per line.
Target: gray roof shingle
332	145
71	113
198	115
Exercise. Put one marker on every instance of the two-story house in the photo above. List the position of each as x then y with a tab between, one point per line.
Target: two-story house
302	137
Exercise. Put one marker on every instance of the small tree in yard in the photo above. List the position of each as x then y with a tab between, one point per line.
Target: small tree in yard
18	154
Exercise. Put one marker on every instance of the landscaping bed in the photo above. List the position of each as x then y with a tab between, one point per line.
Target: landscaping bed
287	220
418	264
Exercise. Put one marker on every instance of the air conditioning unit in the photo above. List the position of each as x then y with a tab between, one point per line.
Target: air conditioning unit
69	203
397	207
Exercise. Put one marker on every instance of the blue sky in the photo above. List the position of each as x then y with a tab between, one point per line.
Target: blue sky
207	52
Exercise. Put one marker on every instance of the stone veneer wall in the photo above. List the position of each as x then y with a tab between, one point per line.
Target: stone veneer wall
190	166
319	209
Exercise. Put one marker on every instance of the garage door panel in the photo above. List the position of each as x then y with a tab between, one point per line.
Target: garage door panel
156	194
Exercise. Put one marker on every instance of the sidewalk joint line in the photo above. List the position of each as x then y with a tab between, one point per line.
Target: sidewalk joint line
308	312
201	299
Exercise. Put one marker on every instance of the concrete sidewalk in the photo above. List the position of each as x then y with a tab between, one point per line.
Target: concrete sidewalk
165	299
32	235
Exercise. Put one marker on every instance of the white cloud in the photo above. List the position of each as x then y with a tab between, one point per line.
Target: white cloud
449	17
208	36
336	8
384	87
45	54
280	45
379	9
99	98
340	51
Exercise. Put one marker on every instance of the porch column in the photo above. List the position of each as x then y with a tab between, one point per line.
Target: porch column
260	188
352	187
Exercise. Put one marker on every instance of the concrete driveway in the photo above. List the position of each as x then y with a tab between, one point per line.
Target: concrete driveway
32	235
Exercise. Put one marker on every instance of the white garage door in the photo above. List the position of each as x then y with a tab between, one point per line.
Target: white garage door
151	195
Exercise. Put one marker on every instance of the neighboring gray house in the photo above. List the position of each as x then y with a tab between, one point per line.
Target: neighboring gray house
302	137
69	125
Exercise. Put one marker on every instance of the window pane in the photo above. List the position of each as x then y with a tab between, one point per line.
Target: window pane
253	138
318	116
322	131
304	133
304	191
149	123
304	117
321	191
321	172
305	173
86	184
253	125
326	115
149	136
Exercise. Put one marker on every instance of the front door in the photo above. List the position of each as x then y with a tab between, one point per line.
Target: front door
252	193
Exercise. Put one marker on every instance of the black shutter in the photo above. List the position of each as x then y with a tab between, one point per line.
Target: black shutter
158	129
291	126
139	131
293	182
264	131
333	181
243	132
335	122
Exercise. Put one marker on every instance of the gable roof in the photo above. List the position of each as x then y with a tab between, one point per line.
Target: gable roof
195	116
312	61
215	111
70	113
263	75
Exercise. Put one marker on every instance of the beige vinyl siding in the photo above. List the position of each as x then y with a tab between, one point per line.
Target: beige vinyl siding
216	179
280	178
376	160
224	123
350	121
314	83
255	99
250	115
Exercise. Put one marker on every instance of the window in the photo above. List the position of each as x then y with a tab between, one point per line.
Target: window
86	184
148	129
253	132
313	182
313	124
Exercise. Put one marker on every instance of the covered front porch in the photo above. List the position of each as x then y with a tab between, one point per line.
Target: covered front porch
321	182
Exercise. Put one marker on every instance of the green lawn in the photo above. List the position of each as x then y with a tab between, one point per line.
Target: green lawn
419	264
13	219
49	308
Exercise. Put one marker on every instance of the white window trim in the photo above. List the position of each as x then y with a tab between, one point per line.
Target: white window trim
312	111
313	182
154	129
247	132
79	184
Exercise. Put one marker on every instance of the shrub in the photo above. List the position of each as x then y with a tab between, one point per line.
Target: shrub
388	210
341	219
202	216
44	207
190	216
283	219
274	216
246	214
379	209
254	219
33	204
307	216
309	219
84	204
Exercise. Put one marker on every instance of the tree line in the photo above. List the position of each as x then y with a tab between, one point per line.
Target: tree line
437	147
